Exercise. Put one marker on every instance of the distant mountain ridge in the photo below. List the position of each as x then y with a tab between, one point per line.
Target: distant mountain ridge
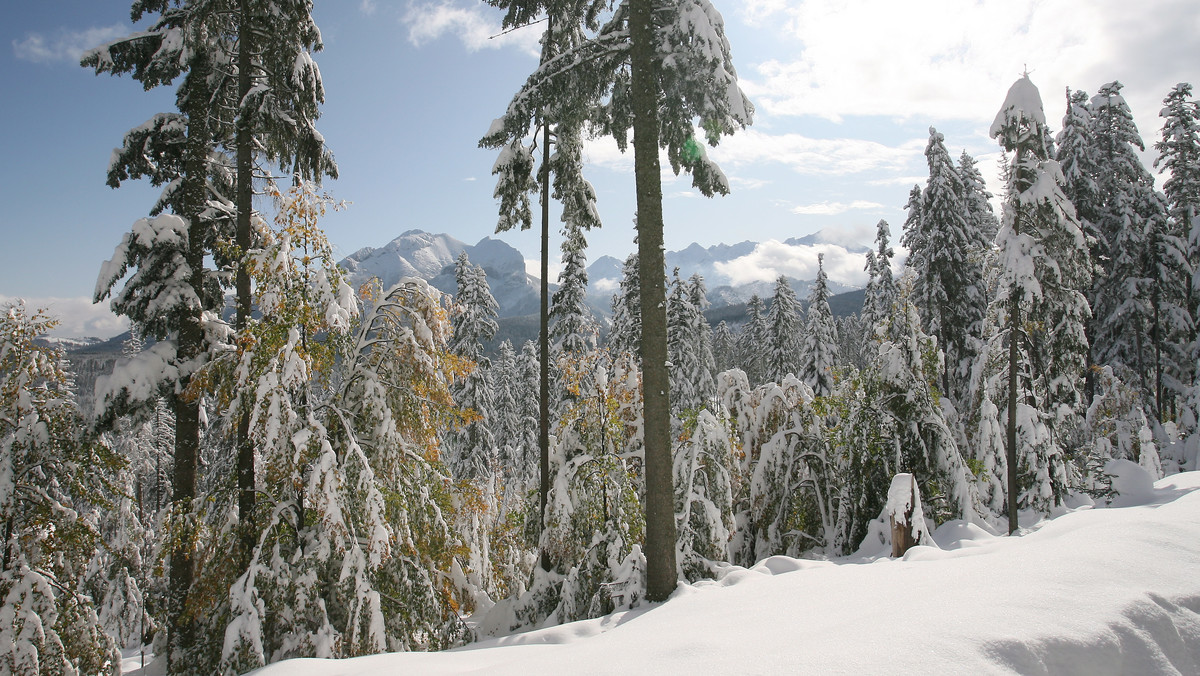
416	253
429	256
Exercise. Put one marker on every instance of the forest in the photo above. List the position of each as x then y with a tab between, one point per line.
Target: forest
283	466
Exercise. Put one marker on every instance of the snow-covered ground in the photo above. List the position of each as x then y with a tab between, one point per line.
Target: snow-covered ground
1095	591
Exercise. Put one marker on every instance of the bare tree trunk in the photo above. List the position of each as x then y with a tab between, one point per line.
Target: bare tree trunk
661	574
245	178
544	345
1014	313
544	324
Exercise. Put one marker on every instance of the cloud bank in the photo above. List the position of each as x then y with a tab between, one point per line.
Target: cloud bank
773	258
78	317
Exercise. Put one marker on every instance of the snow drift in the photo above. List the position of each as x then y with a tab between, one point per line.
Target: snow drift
1095	591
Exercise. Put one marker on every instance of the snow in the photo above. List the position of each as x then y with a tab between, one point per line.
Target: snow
1095	591
1023	101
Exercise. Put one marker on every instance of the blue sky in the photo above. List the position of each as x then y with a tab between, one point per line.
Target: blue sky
845	92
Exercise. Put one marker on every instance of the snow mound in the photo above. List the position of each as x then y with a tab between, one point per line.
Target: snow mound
1094	591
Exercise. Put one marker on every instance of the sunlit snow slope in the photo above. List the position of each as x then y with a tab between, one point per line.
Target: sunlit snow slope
1096	591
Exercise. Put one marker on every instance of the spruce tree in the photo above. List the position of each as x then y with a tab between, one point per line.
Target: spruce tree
982	223
820	354
54	479
785	326
473	446
172	291
279	91
689	344
1038	225
572	327
706	385
755	342
1179	153
626	332
724	348
1138	314
947	256
880	295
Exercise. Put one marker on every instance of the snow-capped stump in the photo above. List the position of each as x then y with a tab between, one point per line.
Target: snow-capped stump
905	515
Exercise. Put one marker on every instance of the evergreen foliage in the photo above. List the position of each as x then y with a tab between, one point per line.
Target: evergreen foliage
754	341
820	354
572	327
52	475
472	448
625	336
784	346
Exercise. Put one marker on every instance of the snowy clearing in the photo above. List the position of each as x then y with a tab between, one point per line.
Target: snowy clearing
1095	591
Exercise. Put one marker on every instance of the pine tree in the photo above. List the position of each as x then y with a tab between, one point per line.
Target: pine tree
982	223
785	321
820	355
572	326
755	341
626	332
706	385
880	295
1138	313
1179	153
1038	225
724	348
948	258
473	447
172	296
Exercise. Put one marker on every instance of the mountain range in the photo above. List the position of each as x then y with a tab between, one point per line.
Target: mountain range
417	253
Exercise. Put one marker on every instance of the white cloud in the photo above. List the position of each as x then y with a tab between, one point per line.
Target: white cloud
533	267
748	183
474	26
848	236
368	7
812	156
78	317
65	46
949	59
606	285
834	208
773	258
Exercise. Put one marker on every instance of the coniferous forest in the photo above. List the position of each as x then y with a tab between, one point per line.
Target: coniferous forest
281	465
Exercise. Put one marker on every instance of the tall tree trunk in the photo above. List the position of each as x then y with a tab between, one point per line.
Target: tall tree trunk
544	326
544	346
1014	324
181	629
245	178
661	575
